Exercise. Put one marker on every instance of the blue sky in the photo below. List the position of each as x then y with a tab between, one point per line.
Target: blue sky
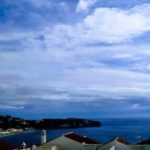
75	58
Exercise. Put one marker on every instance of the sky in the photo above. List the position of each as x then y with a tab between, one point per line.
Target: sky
75	58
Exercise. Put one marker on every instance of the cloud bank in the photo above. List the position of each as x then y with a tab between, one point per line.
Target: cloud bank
65	64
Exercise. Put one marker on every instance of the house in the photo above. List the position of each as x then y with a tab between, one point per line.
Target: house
71	141
140	147
6	146
116	144
143	145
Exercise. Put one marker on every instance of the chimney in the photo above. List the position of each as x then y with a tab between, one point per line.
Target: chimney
43	136
23	146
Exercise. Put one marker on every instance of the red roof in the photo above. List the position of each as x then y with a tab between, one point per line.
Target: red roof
118	139
80	139
5	146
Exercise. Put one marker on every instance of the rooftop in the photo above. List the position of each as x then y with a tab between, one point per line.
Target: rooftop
80	139
6	146
119	139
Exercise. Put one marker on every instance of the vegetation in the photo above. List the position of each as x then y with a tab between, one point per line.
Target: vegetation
7	122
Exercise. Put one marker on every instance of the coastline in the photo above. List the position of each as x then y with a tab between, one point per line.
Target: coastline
16	133
128	129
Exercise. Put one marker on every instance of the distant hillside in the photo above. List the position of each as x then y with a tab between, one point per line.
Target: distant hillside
7	122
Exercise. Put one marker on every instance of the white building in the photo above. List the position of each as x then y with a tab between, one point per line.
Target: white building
116	144
71	141
140	147
120	144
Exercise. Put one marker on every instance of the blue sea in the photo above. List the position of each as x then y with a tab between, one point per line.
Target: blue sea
128	128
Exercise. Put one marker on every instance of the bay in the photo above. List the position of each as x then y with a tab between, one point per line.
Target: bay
128	128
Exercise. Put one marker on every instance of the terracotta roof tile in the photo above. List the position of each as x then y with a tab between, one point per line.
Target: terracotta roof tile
122	141
6	146
81	139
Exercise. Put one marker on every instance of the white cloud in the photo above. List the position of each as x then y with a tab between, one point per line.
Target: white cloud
136	107
148	67
113	25
106	78
10	107
106	25
53	97
84	5
123	55
74	57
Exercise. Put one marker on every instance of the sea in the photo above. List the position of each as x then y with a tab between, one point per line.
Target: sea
132	130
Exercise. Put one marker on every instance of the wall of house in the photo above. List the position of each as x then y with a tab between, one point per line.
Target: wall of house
140	147
92	147
146	147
